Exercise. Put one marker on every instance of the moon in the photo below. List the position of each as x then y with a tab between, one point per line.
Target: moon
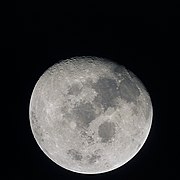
90	115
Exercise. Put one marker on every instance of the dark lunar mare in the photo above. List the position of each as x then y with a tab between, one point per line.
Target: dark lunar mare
128	87
106	131
128	90
75	89
74	154
36	126
84	113
33	117
93	158
119	71
107	90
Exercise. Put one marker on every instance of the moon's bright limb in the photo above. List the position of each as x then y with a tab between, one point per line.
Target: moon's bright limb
90	115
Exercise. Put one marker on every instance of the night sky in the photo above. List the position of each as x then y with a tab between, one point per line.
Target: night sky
45	36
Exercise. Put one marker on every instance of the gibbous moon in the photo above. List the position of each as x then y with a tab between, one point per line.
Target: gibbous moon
90	115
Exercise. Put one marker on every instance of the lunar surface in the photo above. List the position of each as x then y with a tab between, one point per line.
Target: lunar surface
90	115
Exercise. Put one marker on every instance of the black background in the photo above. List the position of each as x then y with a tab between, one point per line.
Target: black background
45	36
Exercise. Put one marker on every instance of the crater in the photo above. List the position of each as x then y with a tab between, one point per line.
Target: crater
74	154
106	131
107	90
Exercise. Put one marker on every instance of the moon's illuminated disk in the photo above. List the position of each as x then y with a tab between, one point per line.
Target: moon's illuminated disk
90	115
